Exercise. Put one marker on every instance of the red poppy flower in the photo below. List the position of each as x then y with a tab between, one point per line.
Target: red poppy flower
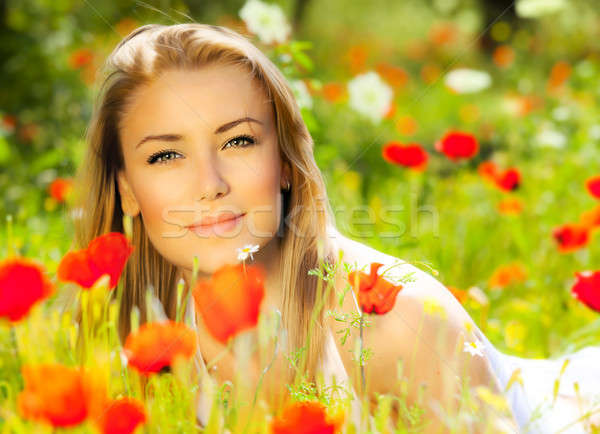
460	294
333	92
593	186
53	393
156	345
488	170
591	218
571	236
507	275
375	294
9	122
357	55
122	416
587	288
394	75
411	155
508	180
561	71
510	206
503	56
230	300
60	189
28	132
81	58
457	145
306	417
443	33
23	283
407	125
106	254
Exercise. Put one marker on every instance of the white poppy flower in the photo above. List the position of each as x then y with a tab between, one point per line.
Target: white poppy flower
594	132
561	113
370	96
477	294
267	21
538	8
247	250
301	94
551	138
464	80
475	348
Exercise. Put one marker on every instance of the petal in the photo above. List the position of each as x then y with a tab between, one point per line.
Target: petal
122	416
23	283
229	301
75	267
108	254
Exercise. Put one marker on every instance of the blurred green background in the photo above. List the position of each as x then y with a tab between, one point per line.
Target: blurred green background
540	114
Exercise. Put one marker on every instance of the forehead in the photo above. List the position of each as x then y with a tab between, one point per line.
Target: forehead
208	96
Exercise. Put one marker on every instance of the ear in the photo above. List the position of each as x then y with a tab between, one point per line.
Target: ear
128	202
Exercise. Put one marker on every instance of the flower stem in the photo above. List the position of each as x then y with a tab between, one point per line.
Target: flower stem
10	249
362	366
15	342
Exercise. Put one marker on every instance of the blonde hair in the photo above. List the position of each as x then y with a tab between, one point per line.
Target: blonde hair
138	59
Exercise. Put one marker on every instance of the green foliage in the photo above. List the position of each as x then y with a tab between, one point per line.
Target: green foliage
445	216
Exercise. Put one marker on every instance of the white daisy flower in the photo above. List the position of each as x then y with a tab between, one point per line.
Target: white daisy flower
265	20
594	132
561	113
301	94
551	138
475	348
464	80
370	96
478	295
538	8
247	250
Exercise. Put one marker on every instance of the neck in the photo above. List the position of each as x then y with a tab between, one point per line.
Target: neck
269	257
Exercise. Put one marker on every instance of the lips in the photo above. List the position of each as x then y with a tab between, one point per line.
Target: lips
216	219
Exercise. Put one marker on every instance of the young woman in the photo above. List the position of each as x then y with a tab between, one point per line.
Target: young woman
196	136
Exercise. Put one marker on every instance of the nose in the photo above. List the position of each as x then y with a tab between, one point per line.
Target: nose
210	184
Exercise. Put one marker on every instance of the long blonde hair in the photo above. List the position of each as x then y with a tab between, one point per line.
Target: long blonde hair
139	58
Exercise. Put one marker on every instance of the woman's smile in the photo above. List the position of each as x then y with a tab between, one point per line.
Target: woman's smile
224	222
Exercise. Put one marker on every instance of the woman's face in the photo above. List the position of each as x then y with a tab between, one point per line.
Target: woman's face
198	144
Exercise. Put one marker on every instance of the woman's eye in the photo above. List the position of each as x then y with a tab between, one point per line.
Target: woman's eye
238	142
162	157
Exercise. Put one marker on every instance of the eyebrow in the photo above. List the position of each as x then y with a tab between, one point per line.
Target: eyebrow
176	137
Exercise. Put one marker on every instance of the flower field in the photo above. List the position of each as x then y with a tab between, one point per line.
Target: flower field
460	137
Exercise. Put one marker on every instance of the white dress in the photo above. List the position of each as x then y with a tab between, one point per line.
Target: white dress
532	402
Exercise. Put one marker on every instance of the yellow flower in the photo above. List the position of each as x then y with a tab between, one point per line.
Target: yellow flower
496	400
432	307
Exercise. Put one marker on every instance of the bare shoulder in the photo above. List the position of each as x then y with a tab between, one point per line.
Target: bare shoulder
417	283
424	332
421	296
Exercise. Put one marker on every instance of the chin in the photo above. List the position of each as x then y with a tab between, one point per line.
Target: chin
209	263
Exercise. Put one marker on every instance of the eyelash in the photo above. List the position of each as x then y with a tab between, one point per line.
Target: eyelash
154	157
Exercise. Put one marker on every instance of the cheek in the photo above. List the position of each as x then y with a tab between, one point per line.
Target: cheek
161	205
259	191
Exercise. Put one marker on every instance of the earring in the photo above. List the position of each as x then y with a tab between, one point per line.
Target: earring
287	187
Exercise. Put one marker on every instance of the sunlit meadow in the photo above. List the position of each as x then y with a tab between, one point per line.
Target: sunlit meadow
459	136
